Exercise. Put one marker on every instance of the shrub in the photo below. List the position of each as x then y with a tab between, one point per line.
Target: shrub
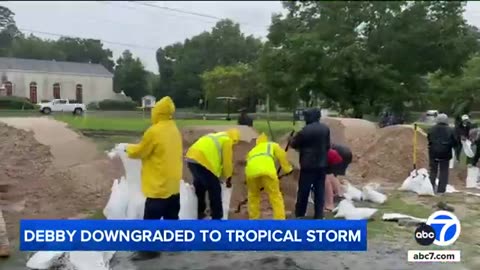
16	103
114	105
92	106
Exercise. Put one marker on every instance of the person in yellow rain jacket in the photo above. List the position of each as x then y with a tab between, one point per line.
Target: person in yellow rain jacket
161	153
261	172
209	159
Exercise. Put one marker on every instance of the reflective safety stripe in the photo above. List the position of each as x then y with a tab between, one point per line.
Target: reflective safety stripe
266	153
217	144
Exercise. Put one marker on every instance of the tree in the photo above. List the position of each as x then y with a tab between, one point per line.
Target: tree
8	29
131	77
238	81
456	94
181	64
364	56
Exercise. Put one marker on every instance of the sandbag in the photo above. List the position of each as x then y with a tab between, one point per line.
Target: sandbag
418	182
345	206
351	192
43	259
188	201
472	177
467	148
369	193
360	213
91	260
116	207
226	197
136	205
451	164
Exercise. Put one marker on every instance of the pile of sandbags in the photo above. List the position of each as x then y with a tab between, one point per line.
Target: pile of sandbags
419	182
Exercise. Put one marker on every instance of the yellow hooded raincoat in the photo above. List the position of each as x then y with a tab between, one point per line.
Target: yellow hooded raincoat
261	172
161	153
215	152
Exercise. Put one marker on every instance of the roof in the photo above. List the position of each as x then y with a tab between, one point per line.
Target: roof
53	66
148	97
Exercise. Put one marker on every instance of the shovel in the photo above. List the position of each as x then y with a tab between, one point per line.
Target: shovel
415	148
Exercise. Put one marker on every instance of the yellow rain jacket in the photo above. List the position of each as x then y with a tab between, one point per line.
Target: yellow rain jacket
161	153
215	152
261	172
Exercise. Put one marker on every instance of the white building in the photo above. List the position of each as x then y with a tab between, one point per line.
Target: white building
148	101
40	80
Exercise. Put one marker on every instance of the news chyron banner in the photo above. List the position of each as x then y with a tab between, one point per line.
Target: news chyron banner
193	235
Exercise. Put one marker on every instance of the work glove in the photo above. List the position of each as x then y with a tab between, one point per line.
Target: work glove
228	183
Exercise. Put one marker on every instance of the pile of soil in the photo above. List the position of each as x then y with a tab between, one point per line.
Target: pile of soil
34	186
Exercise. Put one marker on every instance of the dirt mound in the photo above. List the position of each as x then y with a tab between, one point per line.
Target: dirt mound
36	183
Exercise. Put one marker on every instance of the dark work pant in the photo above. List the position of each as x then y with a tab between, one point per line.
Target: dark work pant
439	168
162	208
311	178
205	181
458	151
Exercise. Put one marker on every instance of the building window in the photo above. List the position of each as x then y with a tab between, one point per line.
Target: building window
33	92
79	93
56	90
9	88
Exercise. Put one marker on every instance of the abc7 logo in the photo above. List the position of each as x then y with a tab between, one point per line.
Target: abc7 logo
425	235
442	229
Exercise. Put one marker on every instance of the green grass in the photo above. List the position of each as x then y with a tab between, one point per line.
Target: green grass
279	128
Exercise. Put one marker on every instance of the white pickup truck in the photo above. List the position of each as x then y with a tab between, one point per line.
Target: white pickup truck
62	105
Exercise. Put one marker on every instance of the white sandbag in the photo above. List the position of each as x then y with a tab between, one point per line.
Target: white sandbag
136	205
345	206
188	201
451	164
351	192
226	197
90	260
397	216
116	207
418	182
133	167
369	193
360	213
43	259
467	148
472	177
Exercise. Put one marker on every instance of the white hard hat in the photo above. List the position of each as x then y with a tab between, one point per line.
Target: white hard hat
465	117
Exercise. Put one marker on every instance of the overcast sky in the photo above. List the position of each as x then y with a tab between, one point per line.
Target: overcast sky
142	29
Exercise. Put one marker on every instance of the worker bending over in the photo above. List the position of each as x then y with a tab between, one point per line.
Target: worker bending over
208	159
261	172
161	153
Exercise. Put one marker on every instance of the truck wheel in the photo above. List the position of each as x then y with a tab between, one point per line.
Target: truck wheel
78	111
46	110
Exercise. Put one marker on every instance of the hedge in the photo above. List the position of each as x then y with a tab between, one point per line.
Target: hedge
116	105
16	103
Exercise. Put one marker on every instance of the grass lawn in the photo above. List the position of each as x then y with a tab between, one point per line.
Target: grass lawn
279	128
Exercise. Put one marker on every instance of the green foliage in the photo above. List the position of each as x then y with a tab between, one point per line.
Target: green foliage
131	77
16	103
181	64
8	29
238	81
363	56
456	94
116	105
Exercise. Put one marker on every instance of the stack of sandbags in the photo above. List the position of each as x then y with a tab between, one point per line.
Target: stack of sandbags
419	182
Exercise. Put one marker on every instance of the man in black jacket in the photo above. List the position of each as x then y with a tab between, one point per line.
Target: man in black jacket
441	141
313	143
